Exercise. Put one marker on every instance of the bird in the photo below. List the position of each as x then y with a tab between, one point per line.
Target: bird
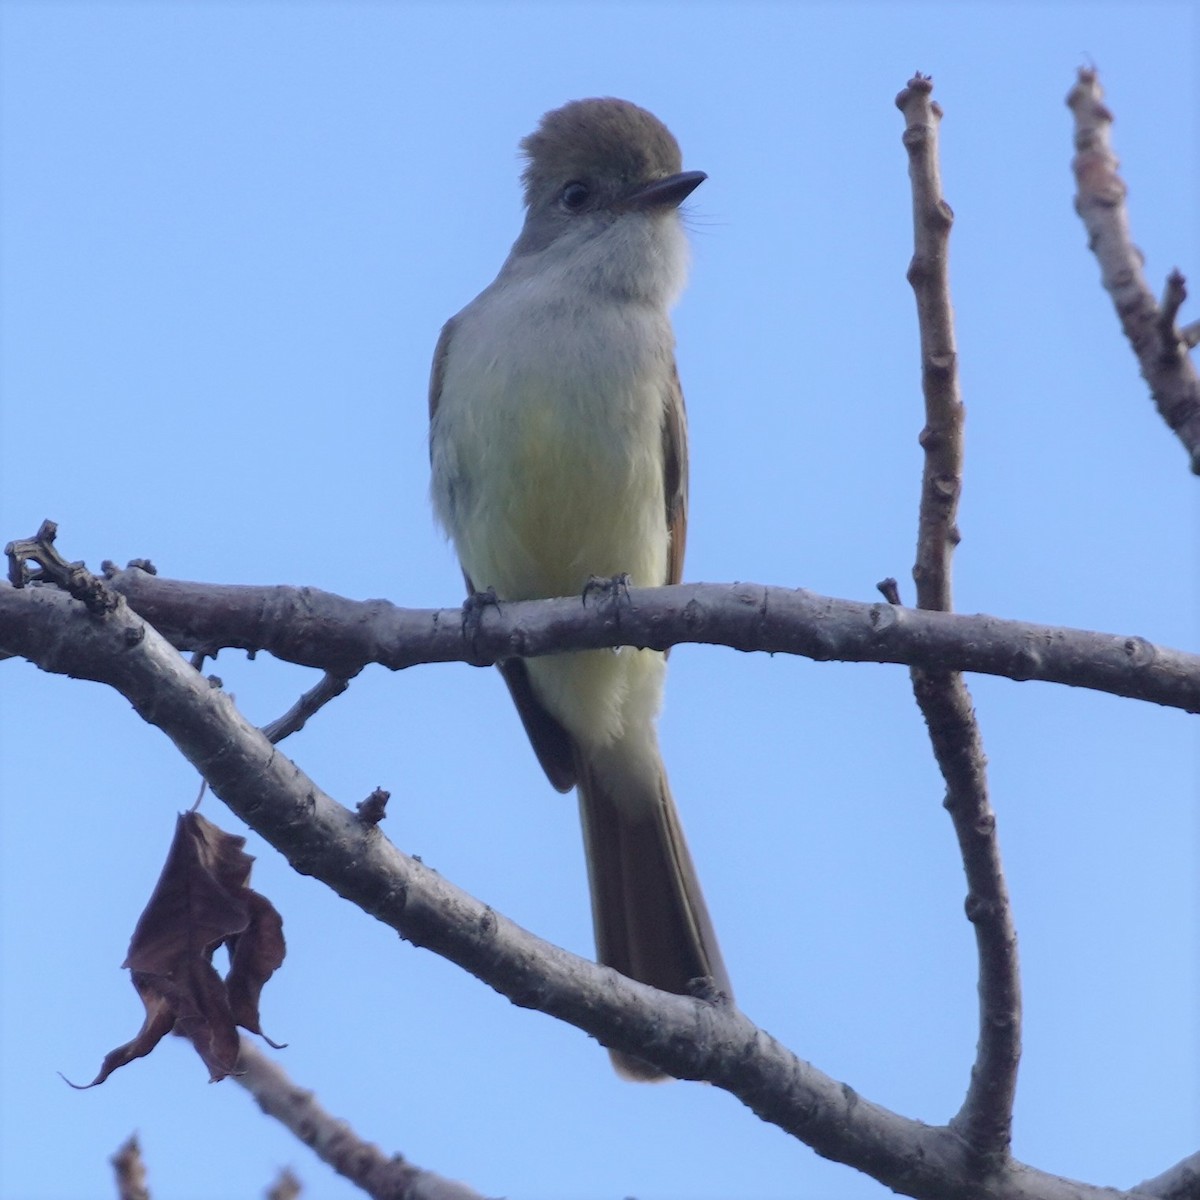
559	456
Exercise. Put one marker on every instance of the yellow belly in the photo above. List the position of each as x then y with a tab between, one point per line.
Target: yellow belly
564	503
567	501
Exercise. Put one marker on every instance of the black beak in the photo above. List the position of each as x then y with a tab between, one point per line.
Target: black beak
670	192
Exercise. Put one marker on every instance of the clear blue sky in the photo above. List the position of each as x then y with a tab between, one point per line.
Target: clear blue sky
231	233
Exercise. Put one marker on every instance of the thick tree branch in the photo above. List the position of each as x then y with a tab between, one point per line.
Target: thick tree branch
334	1142
340	636
689	1038
1180	1182
1100	201
985	1119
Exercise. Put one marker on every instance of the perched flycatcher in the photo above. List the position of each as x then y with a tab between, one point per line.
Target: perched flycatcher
559	451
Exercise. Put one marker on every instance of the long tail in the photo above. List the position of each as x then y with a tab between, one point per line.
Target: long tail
651	920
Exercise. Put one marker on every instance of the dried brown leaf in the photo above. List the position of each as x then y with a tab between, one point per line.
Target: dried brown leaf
254	957
202	901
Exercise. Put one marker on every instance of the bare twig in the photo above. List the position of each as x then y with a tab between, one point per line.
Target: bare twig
688	1037
1174	294
292	721
130	1171
334	1142
929	274
1100	201
318	629
985	1118
286	1186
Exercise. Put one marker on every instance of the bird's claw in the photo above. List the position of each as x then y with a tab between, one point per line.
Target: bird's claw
611	587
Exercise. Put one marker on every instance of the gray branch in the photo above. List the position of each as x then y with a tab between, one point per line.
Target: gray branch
340	636
334	1142
689	1038
1160	347
1180	1182
985	1118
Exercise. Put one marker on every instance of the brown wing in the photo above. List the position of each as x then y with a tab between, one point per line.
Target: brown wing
553	745
675	475
551	742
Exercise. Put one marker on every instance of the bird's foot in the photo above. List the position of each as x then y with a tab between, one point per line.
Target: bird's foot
473	608
613	588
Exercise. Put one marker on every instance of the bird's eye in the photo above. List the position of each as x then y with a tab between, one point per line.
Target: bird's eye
574	196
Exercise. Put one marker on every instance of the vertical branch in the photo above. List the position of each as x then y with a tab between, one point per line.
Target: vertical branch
985	1118
1100	202
929	275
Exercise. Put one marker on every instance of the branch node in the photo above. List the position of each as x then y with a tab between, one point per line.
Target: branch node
942	365
1140	652
52	568
890	590
373	809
